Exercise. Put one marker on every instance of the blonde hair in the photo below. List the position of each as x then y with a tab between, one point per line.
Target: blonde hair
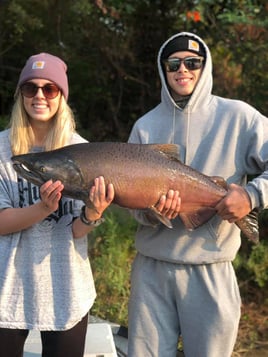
21	133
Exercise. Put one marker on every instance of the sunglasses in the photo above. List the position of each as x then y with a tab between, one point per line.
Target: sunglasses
30	89
191	63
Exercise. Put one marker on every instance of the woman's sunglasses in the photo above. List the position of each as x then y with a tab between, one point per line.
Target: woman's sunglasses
30	89
191	63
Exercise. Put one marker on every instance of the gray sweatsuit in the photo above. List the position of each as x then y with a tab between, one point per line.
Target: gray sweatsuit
183	281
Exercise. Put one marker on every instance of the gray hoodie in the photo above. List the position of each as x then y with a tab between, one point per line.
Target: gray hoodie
217	136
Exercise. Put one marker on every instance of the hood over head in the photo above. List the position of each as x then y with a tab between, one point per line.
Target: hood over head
187	41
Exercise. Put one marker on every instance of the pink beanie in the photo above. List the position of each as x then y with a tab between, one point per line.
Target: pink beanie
46	66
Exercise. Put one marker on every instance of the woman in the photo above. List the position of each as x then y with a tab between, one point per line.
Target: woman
46	281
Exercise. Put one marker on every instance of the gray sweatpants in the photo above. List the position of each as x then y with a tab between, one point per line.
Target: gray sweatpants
199	302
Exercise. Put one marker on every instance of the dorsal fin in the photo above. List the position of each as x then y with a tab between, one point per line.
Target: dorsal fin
219	181
172	151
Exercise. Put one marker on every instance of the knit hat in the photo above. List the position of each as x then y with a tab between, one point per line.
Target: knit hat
183	43
46	66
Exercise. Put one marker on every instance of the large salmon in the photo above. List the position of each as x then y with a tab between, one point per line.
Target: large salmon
140	173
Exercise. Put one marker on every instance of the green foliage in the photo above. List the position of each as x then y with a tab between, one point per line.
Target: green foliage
258	264
111	251
110	47
251	263
252	269
3	122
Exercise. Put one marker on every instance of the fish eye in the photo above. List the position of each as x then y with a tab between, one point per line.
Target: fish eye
42	169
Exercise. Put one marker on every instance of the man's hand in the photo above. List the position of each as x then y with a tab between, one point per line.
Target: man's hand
169	204
235	205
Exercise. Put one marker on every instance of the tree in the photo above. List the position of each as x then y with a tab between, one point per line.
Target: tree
110	47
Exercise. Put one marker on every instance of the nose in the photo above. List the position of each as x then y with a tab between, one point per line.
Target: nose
39	92
182	67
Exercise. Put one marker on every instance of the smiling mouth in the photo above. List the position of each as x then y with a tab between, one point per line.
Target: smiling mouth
183	80
40	106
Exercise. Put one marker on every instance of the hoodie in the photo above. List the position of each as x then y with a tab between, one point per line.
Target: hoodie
217	136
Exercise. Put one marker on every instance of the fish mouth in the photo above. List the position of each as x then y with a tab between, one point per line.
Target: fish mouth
30	175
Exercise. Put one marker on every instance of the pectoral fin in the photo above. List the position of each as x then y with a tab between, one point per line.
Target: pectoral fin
191	220
156	214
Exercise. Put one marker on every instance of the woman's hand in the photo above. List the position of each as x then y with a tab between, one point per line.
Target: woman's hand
50	194
100	197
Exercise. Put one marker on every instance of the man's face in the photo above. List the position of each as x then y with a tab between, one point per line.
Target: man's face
182	81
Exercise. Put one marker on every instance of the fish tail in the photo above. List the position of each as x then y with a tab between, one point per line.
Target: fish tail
249	226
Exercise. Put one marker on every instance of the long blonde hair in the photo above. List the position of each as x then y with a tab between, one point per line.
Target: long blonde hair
21	133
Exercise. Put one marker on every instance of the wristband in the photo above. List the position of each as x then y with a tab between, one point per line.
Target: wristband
87	222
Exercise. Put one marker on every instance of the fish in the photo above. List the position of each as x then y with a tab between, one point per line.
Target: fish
140	173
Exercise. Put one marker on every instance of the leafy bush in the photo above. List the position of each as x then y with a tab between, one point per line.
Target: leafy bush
3	122
258	264
111	251
251	264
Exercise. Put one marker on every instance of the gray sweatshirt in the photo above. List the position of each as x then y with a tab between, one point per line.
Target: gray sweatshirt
219	137
46	281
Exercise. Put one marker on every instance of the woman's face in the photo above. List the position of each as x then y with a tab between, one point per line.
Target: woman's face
39	107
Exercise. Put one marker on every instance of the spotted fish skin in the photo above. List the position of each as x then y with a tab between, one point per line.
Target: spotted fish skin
140	173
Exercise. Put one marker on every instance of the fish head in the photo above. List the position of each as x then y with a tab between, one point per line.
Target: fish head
41	167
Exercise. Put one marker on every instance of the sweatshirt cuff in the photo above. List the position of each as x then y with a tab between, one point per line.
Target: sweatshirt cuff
254	196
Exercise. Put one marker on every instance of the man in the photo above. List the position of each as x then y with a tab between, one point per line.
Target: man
183	282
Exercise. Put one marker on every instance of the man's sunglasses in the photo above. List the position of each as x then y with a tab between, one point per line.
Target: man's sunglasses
191	63
30	89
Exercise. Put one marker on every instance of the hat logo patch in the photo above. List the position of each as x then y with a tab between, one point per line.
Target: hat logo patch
193	45
38	65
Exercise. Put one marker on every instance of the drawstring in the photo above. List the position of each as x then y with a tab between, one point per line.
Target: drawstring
173	133
187	136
